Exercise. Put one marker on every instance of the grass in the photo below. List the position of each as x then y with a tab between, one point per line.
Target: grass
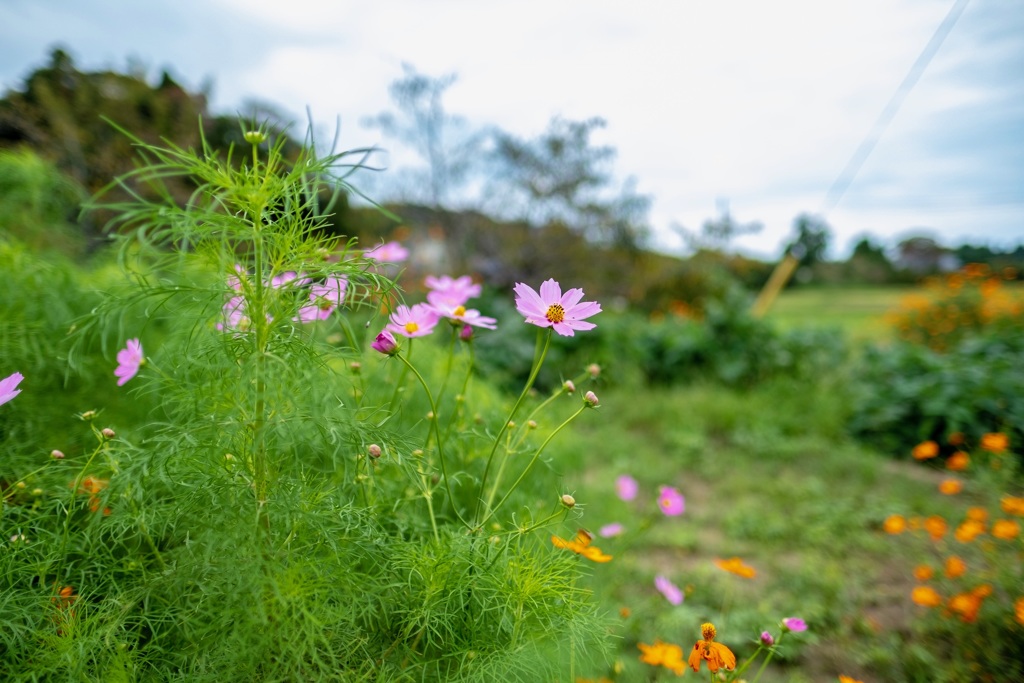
858	311
770	477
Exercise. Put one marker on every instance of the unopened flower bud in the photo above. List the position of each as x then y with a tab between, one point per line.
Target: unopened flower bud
569	386
108	433
385	343
21	484
56	455
37	492
532	424
355	366
418	453
255	137
466	333
373	450
590	398
568	501
766	639
594	369
430	415
88	415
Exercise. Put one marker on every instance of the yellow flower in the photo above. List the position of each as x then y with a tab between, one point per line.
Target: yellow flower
925	450
994	442
717	656
581	546
955	567
926	596
663	654
958	462
894	524
737	567
1006	529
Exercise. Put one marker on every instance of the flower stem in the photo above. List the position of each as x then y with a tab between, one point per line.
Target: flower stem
437	435
530	465
540	351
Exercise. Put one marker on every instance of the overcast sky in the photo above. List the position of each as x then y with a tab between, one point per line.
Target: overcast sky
760	104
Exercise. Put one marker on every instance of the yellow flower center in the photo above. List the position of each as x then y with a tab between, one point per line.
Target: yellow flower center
708	631
555	314
459	311
411	327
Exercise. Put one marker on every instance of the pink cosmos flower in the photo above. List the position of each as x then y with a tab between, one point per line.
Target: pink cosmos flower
389	252
289	278
459	313
234	317
385	343
626	487
458	290
669	590
9	387
324	298
128	361
794	624
551	308
671	501
417	321
611	530
235	281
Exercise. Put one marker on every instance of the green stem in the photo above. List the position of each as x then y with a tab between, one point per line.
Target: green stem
437	435
401	379
538	359
530	465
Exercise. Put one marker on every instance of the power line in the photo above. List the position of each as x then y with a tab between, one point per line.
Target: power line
853	166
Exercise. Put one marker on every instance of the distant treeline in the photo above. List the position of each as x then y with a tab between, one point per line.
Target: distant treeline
60	143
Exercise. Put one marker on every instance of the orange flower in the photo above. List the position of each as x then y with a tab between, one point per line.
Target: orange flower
847	679
581	546
663	654
977	514
625	612
925	450
736	566
994	442
717	656
966	532
958	462
894	524
1018	610
955	567
1006	529
926	596
968	604
923	572
936	527
951	487
956	439
1012	505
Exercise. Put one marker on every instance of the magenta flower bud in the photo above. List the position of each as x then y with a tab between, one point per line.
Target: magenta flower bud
569	387
385	343
56	455
107	433
766	639
374	450
590	398
794	624
466	333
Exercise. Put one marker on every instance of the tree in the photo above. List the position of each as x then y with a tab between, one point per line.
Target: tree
446	143
560	177
813	235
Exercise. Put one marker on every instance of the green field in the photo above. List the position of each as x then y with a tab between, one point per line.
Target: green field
857	311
